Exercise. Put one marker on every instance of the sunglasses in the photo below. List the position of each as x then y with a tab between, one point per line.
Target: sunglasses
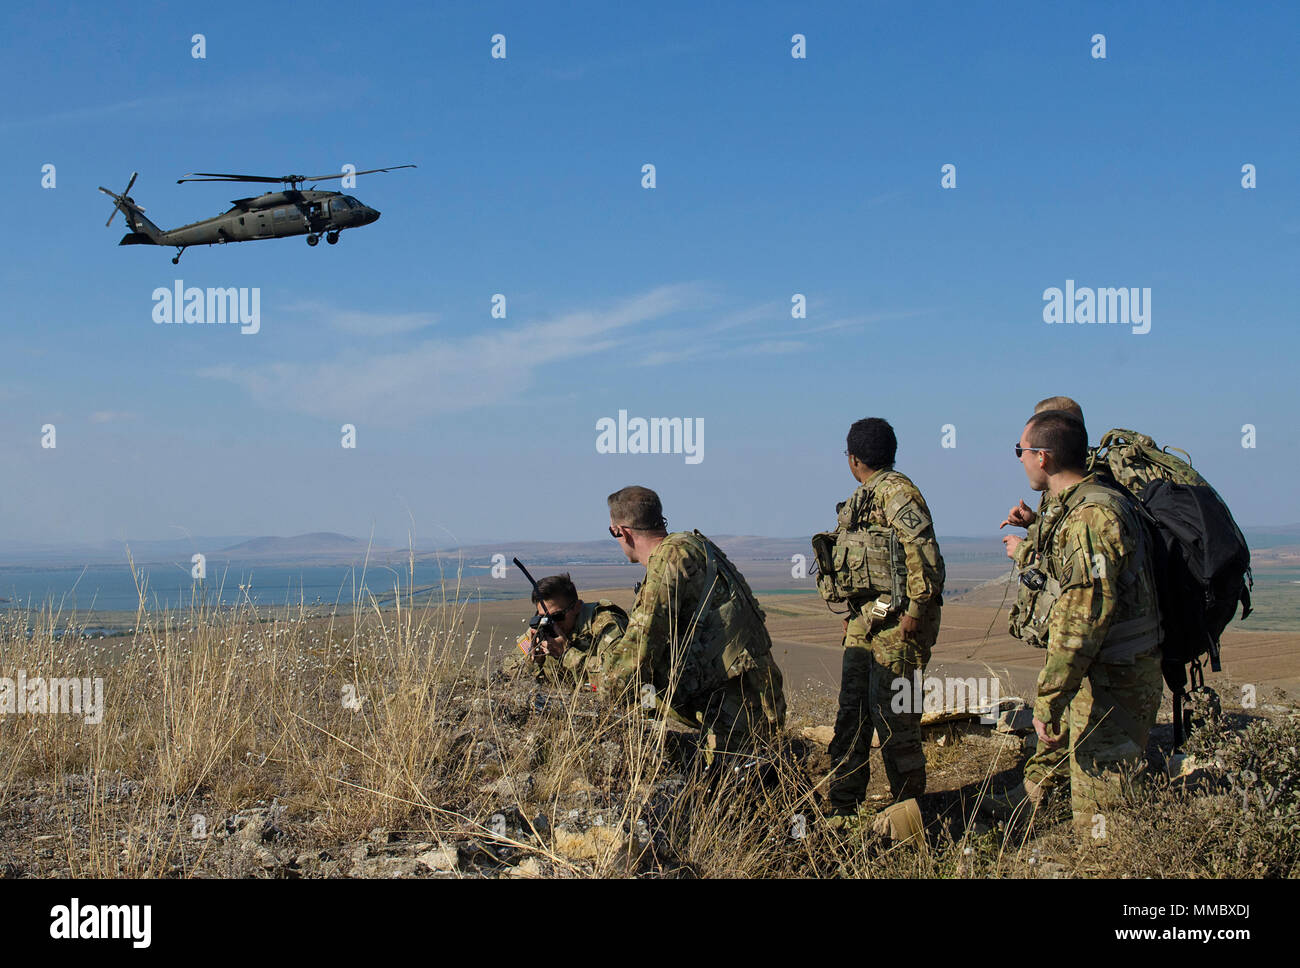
1042	450
624	527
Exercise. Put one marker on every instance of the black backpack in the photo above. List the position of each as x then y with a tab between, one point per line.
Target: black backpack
1202	565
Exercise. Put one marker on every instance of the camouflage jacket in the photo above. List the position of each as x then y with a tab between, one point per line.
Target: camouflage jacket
889	499
1048	508
1107	610
1027	550
598	625
673	643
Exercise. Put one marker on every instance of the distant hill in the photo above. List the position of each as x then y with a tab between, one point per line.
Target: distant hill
1280	542
303	547
1280	536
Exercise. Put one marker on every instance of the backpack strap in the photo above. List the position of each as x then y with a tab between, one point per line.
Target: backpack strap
1134	637
869	488
710	580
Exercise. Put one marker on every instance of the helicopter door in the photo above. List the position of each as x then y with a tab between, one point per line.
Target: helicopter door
262	229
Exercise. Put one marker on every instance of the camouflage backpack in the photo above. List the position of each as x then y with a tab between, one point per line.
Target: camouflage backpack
1202	561
1132	460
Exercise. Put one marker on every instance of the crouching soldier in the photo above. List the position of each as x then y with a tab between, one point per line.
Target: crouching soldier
696	646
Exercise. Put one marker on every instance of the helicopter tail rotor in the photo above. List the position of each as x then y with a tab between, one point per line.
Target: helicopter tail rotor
125	203
143	232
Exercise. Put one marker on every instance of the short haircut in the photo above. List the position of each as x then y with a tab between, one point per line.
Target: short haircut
556	588
872	441
1062	433
1068	404
637	508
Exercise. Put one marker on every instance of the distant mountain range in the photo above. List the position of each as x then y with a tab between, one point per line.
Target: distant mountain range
326	547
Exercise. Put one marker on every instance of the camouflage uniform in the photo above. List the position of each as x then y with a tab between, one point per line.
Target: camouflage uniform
1046	768
598	625
876	655
710	665
1102	676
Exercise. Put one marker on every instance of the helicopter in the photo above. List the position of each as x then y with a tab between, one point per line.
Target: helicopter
273	215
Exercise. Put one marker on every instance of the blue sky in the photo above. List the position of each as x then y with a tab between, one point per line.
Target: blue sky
775	176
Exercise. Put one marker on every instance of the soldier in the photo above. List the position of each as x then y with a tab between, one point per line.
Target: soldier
895	592
1100	687
696	646
583	631
1047	769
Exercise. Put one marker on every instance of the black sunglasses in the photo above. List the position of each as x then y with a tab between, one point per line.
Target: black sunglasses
663	523
1042	450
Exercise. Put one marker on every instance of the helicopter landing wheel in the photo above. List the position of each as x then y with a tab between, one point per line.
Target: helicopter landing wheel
176	259
313	239
332	238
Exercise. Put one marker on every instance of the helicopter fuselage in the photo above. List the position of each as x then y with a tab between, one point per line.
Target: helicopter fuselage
274	215
271	215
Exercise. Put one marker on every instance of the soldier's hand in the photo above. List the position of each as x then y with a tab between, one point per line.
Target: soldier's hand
1044	737
909	626
557	643
1011	542
1020	516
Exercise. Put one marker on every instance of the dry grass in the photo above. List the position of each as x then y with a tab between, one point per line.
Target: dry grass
228	748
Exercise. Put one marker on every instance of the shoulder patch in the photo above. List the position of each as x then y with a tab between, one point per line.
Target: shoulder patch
904	508
911	520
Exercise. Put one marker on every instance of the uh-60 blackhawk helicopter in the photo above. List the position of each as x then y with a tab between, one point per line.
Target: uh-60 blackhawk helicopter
274	215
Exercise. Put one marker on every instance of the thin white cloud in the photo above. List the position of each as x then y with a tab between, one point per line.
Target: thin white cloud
449	375
362	323
772	347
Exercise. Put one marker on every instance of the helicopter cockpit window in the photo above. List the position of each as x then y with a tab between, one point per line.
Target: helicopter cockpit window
341	204
280	213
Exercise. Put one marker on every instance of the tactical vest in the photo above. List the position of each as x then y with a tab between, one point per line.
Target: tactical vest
863	563
598	607
725	634
1125	639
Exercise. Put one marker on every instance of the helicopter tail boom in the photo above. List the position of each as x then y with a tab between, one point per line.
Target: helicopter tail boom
143	232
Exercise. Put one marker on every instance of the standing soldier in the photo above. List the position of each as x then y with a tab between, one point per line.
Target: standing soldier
1100	687
696	646
883	560
1047	768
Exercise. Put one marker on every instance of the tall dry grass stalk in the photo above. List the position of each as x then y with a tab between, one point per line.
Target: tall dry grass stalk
366	723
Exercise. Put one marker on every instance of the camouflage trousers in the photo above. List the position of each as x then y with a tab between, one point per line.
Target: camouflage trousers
867	693
741	714
1110	720
1050	768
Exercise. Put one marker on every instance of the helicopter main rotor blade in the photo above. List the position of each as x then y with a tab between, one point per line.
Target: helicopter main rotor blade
368	171
216	176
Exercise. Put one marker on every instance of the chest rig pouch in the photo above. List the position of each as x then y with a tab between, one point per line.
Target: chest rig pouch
1040	589
863	563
